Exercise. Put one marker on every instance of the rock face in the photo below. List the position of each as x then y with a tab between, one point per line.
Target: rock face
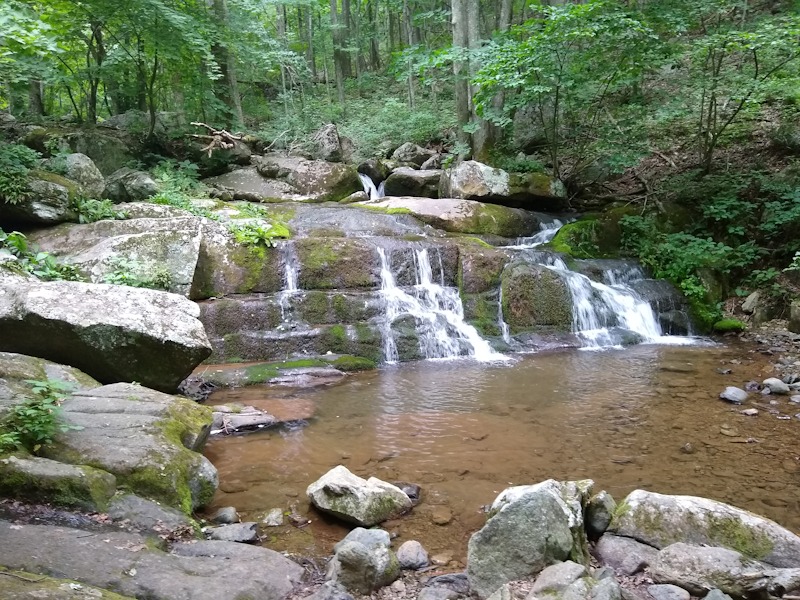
410	182
466	216
535	299
317	179
126	563
660	520
127	185
363	562
365	502
477	181
82	170
151	337
47	201
531	527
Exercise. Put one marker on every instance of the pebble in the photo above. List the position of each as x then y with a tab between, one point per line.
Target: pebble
225	516
441	515
442	558
733	394
750	412
274	518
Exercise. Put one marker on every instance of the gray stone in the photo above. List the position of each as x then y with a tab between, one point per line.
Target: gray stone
127	185
434	162
659	520
412	153
535	299
558	577
599	511
504	592
531	528
39	479
151	337
108	152
274	518
751	303
411	555
412	182
363	561
318	180
716	594
126	563
363	502
458	582
733	395
624	555
249	184
438	593
606	589
146	514
225	516
699	569
82	170
236	532
794	317
666	591
776	386
330	146
371	539
47	202
330	590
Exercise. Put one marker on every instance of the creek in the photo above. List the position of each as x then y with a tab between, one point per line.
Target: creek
644	417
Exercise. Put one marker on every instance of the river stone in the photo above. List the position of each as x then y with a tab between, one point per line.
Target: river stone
412	182
667	591
163	251
112	332
535	299
733	395
146	514
317	179
465	216
699	569
660	520
365	502
531	527
235	532
556	578
126	563
39	479
225	516
412	555
127	185
47	201
82	170
624	555
330	590
160	461
599	511
716	594
330	146
412	153
776	386
363	561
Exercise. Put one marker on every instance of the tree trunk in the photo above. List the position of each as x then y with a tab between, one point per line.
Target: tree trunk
338	58
461	68
36	97
310	58
374	47
229	92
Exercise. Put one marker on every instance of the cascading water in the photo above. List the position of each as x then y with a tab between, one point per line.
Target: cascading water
547	233
374	193
290	273
437	312
505	332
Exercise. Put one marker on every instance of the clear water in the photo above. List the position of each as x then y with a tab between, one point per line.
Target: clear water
291	270
371	190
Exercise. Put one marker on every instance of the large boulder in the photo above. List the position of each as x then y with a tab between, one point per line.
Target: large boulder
109	151
330	146
113	333
82	170
531	527
477	181
660	520
127	185
411	182
411	153
536	299
48	201
365	502
249	184
318	179
363	562
465	216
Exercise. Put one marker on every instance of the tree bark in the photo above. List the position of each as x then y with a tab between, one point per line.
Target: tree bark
36	97
461	68
229	92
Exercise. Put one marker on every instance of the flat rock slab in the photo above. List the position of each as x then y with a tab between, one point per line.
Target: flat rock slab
124	563
19	585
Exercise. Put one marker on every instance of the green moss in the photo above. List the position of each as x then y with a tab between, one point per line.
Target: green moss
731	533
340	309
726	325
399	210
314	307
72	187
481	313
353	363
535	299
260	373
578	239
335	339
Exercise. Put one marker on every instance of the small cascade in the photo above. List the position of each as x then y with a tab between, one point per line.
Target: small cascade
374	193
547	233
501	322
291	271
436	310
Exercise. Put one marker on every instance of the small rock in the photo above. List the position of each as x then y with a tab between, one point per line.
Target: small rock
330	590
442	558
749	412
441	515
412	555
729	431
724	371
794	399
412	490
225	516
599	511
752	386
558	577
668	592
398	587
274	518
776	386
688	448
734	395
716	594
238	532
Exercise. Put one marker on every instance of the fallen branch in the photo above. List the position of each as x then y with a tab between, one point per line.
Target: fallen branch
220	139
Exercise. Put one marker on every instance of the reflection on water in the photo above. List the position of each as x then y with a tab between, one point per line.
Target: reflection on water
646	417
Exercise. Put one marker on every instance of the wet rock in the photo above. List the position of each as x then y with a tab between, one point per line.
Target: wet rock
411	153
699	569
776	386
411	182
351	498
246	419
734	395
317	179
127	185
225	516
412	555
236	532
599	510
145	514
363	561
624	555
151	337
412	490
659	520
274	518
82	170
536	299
375	169
39	479
557	578
667	591
531	527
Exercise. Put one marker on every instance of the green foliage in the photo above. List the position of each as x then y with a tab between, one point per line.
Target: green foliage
35	421
259	233
728	325
28	260
90	210
178	177
130	272
16	161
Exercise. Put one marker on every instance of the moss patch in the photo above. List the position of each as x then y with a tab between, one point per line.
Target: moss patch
727	325
731	533
352	363
535	299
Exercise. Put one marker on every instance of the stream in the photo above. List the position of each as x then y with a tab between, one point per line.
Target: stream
644	417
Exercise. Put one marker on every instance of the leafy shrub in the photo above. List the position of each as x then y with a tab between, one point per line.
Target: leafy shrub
90	210
15	163
130	272
259	233
35	421
174	176
39	264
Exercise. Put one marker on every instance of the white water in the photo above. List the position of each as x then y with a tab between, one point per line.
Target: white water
437	313
290	275
374	193
501	322
547	233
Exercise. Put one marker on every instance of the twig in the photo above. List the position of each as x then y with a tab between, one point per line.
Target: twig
219	139
666	159
22	578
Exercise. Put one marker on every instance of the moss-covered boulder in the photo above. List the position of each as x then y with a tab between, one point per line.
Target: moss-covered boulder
337	263
660	520
594	236
482	312
481	267
47	201
535	299
109	150
128	185
317	179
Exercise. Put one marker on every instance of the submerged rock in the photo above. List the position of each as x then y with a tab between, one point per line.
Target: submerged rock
536	299
365	502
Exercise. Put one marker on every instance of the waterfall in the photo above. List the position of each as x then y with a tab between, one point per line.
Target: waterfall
547	232
436	310
501	322
374	193
290	273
